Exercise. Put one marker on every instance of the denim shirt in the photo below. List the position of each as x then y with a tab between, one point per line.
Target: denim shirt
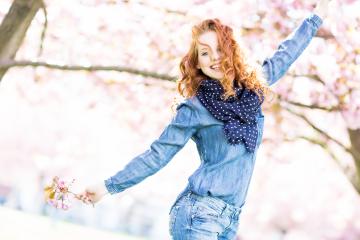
225	170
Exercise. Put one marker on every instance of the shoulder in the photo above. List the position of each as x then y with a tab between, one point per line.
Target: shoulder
201	115
185	103
192	103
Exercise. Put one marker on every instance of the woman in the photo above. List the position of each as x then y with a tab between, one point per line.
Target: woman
222	114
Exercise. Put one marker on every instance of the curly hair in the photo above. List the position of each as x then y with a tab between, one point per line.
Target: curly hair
233	64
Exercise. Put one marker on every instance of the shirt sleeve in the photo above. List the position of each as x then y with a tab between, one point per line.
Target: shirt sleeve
290	49
181	128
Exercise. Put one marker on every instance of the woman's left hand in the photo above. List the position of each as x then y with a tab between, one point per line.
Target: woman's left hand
322	8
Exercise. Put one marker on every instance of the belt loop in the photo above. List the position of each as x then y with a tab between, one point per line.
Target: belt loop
237	212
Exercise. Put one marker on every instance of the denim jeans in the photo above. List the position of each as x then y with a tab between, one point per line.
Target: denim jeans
203	218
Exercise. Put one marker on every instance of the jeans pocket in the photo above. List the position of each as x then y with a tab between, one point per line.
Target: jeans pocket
205	209
206	220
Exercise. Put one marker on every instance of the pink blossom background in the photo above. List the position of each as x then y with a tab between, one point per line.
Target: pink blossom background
87	126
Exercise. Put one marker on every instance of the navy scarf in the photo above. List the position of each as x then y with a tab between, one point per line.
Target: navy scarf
237	112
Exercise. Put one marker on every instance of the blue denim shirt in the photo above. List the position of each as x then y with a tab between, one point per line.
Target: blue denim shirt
225	170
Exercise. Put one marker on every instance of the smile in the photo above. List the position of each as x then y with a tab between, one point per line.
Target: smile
215	67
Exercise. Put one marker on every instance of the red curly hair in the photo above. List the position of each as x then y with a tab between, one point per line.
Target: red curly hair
233	64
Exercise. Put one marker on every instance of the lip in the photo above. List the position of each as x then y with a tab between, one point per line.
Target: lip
215	67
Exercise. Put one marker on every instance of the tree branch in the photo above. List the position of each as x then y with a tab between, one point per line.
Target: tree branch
43	7
350	175
311	76
322	144
316	78
323	133
8	64
166	10
311	106
14	26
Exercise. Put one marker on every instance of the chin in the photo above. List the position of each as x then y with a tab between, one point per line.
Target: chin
209	73
217	77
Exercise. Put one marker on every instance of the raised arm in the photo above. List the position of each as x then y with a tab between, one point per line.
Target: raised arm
161	151
290	49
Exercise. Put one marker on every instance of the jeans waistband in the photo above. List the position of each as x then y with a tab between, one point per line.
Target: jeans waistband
221	204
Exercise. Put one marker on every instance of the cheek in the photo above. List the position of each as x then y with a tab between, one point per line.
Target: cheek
203	61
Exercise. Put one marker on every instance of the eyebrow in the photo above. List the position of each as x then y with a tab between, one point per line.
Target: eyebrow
205	46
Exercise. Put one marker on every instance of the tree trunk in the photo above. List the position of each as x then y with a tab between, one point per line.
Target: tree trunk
14	26
354	135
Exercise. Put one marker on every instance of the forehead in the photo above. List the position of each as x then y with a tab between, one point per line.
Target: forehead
207	38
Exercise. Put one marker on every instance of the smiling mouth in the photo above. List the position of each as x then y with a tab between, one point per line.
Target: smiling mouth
215	67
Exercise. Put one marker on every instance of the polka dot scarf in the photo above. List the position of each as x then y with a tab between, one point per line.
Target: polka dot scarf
238	113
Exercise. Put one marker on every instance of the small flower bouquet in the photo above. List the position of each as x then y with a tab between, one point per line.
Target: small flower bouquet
57	194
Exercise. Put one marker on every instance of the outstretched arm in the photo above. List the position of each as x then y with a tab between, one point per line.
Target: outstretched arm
292	47
183	125
161	151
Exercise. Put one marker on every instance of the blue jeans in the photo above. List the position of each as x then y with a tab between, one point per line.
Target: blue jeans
203	218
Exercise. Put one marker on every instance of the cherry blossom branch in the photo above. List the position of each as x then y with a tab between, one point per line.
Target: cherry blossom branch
347	171
323	133
322	144
91	68
166	10
311	106
316	78
311	76
57	194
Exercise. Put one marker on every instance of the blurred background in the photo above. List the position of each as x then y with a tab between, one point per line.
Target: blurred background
87	85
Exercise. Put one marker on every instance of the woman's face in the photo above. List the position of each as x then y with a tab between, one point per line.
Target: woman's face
209	55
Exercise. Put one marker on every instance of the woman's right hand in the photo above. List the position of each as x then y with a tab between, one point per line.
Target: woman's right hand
93	194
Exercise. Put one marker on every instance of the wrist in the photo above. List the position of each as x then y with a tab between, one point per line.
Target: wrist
103	189
320	13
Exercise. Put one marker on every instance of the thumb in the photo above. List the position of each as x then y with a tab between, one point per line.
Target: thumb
89	193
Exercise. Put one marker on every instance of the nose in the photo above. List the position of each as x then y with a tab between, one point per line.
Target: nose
215	56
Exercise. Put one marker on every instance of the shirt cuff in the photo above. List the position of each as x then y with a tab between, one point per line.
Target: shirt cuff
110	186
316	20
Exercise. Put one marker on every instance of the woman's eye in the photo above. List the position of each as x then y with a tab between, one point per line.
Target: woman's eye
204	54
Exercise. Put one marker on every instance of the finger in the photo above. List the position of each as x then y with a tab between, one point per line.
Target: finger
82	197
87	200
90	194
90	201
